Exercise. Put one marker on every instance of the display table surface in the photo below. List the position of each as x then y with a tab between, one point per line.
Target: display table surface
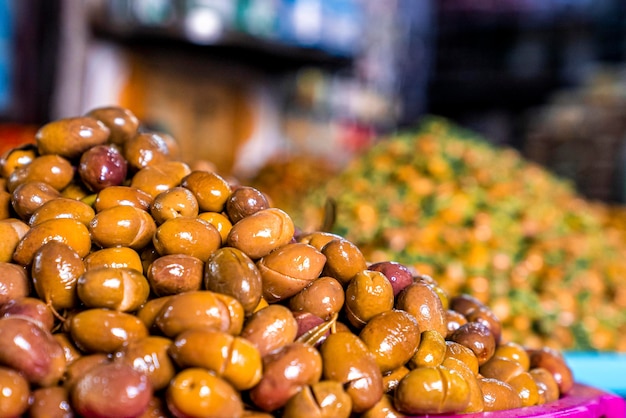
582	402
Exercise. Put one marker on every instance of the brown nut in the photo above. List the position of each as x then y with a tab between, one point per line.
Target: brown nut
14	401
122	225
210	189
230	357
173	203
70	137
346	359
420	300
31	350
368	294
498	395
100	330
285	372
432	390
175	273
197	392
201	308
270	328
29	196
150	356
323	297
190	236
551	360
478	338
122	195
243	202
55	271
12	230
67	231
262	232
14	282
62	207
289	269
115	257
122	123
118	288
393	337
343	260
230	271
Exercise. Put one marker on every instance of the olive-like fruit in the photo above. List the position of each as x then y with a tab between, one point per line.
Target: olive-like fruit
62	207
119	288
201	308
210	189
289	269
478	338
513	351
122	195
398	274
122	123
498	395
230	271
453	321
191	236
421	301
12	231
393	337
50	402
160	177
55	271
70	137
67	231
551	360
476	402
53	170
323	297
270	328
175	273
196	392
285	372
219	221
368	294
431	390
111	390
15	158
124	226
262	232
31	350
100	330
344	260
244	201
487	317
547	386
431	350
102	166
30	196
233	358
145	149
324	399
14	282
150	356
173	203
113	257
347	359
14	396
32	308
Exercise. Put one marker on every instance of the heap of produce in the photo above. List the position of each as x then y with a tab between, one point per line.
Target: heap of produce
484	221
132	285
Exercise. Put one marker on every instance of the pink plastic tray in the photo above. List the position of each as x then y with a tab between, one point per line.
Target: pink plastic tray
582	402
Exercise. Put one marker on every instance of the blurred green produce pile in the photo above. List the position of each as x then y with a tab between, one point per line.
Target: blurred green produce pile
483	220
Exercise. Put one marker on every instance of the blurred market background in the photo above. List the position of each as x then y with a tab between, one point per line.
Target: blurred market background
481	142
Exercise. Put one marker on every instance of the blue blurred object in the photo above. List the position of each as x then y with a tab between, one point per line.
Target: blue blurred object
6	54
606	371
